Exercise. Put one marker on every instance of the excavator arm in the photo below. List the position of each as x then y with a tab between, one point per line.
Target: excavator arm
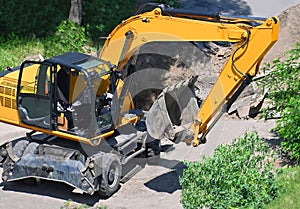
253	37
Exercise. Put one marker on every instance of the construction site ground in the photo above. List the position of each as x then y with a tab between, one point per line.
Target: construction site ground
158	186
153	187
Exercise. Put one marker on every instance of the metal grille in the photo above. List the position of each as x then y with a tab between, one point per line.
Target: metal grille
8	93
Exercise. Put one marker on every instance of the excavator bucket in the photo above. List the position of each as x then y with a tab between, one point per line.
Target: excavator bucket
173	111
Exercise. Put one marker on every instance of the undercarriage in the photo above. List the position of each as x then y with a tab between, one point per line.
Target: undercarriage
86	168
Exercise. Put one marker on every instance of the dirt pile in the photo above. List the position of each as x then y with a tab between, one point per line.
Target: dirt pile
171	62
289	33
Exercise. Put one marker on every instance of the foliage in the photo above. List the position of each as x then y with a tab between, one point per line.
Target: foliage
236	176
289	190
14	51
68	37
171	3
30	32
41	18
283	85
31	17
71	205
100	17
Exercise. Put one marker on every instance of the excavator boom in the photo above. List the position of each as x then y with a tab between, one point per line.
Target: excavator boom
253	38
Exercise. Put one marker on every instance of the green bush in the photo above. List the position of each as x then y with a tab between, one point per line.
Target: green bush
100	17
283	84
41	18
26	18
31	27
71	205
236	176
68	37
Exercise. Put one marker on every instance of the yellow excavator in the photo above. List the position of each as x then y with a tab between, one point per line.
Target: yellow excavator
85	127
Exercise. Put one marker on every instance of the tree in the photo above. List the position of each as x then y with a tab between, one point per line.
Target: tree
75	14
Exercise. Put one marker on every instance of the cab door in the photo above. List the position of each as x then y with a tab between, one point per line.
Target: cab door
35	94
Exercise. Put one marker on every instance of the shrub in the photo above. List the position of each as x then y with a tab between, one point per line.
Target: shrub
41	18
68	37
236	176
71	205
100	17
31	31
283	84
32	17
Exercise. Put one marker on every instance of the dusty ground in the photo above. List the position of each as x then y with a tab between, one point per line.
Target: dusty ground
154	186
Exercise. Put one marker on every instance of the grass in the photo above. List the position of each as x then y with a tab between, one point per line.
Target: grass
71	205
289	194
15	51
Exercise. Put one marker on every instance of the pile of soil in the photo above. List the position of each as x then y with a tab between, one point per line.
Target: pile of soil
289	33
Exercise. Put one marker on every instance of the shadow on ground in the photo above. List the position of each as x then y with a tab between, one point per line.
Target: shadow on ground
48	188
283	156
168	182
51	189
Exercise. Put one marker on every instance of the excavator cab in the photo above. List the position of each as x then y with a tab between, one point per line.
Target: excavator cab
71	97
